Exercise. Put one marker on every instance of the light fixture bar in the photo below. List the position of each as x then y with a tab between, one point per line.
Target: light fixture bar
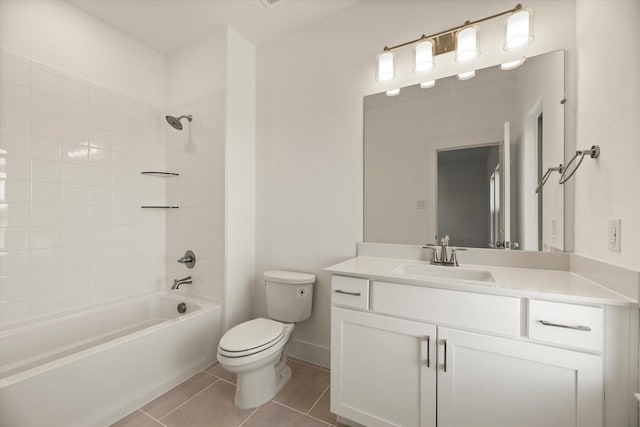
444	41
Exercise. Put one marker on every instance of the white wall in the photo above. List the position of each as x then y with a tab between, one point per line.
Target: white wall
608	108
64	37
309	164
240	179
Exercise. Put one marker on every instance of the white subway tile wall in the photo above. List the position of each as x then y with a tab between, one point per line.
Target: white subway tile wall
198	154
72	232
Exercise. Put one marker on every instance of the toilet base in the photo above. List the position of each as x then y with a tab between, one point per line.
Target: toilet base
257	387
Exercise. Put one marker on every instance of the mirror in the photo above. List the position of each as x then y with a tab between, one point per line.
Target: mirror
464	159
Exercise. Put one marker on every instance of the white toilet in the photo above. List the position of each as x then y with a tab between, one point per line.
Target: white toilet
256	350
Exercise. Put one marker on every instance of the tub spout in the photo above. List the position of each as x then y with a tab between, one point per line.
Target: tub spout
177	282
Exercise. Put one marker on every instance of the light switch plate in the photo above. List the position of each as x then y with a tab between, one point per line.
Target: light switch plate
614	234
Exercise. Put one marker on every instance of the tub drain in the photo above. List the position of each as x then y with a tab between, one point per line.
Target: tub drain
182	307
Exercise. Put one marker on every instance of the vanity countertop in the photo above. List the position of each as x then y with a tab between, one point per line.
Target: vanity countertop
521	282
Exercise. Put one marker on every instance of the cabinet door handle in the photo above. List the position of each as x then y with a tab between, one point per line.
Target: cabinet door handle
427	338
445	354
560	325
340	291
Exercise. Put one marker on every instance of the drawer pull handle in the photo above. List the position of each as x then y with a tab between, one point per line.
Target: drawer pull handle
340	291
560	325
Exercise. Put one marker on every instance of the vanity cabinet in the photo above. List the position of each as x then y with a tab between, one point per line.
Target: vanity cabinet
383	370
404	355
499	382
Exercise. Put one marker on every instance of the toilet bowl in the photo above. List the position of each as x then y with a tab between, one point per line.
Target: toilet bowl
256	350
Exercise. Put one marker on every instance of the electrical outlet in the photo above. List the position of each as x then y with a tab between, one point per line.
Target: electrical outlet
419	204
614	234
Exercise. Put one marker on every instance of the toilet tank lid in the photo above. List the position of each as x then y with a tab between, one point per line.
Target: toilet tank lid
289	277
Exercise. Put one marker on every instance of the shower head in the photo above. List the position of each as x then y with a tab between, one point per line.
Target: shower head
175	121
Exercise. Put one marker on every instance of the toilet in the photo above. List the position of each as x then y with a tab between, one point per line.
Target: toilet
256	350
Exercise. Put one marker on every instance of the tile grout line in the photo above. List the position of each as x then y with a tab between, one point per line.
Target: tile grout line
250	415
150	416
300	412
189	399
318	399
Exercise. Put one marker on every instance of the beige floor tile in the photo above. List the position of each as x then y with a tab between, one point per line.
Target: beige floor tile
175	397
273	415
137	419
322	410
219	372
213	407
304	388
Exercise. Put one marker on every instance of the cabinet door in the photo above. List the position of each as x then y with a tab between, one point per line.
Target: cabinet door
498	382
383	370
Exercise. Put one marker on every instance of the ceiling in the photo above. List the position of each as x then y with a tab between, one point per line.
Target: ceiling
166	25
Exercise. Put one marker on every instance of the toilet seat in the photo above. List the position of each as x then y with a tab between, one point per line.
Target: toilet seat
251	337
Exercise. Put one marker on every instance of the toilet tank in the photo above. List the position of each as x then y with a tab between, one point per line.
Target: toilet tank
289	295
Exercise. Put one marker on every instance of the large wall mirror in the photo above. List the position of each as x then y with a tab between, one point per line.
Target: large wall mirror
464	158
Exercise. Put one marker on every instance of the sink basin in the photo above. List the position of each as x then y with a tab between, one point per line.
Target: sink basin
443	272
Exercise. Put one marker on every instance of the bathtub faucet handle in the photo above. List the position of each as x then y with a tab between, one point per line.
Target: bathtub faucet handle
189	259
177	282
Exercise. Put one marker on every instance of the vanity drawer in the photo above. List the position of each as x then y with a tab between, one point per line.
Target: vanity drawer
350	292
566	324
489	313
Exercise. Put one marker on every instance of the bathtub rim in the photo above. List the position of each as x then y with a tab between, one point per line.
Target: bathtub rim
206	305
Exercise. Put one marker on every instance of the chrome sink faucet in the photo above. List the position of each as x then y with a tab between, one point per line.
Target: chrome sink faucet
177	282
443	258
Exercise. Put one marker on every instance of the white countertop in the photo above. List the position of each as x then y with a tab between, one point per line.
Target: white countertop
522	282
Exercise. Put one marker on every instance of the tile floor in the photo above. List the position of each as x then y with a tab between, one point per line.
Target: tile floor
206	399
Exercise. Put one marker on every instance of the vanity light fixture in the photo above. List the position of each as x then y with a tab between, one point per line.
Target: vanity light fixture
393	92
427	85
512	64
463	40
467	75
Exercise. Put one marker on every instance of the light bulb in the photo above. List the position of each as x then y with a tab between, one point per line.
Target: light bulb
393	92
427	85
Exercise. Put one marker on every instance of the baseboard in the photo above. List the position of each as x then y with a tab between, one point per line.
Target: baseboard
310	352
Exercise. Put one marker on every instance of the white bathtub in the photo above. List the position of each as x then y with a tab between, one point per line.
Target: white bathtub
91	367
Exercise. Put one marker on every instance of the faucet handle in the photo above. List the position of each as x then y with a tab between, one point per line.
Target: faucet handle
434	253
454	256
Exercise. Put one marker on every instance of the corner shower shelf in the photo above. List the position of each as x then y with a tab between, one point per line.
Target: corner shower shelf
161	174
155	173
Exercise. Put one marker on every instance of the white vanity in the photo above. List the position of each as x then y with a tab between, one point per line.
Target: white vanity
420	345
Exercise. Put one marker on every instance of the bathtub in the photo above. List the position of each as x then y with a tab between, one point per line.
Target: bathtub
92	366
